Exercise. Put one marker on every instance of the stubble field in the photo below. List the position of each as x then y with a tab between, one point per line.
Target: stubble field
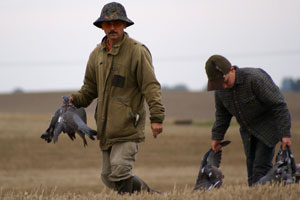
32	169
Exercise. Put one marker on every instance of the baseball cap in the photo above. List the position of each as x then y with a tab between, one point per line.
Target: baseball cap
216	68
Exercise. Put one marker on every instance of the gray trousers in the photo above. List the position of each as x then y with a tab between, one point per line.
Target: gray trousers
117	163
259	160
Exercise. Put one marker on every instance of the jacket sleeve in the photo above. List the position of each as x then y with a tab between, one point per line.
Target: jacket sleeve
269	94
149	86
223	118
88	91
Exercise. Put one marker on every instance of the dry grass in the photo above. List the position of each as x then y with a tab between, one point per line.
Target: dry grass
280	192
32	169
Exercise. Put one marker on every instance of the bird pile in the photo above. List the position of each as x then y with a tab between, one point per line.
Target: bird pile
285	170
68	119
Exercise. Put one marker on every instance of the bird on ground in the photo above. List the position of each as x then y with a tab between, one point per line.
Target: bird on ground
68	119
210	175
284	170
297	173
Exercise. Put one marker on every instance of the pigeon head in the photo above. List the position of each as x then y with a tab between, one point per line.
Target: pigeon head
65	99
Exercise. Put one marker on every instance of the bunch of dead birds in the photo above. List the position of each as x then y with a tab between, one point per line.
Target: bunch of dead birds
70	120
284	171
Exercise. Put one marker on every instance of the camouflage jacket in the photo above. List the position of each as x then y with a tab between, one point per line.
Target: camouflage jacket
258	106
121	79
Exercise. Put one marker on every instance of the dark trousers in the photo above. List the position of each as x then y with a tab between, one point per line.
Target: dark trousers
259	160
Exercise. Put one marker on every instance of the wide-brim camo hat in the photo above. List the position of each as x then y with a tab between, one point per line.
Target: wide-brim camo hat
216	68
111	12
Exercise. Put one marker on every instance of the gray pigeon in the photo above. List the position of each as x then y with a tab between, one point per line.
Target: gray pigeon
210	176
284	169
68	119
297	173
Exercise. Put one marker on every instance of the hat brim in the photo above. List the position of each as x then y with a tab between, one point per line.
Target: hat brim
215	84
100	20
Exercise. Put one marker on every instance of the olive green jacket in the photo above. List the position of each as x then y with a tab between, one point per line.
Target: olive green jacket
121	79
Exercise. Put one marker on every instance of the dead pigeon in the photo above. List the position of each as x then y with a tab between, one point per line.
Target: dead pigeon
297	173
210	176
68	119
284	170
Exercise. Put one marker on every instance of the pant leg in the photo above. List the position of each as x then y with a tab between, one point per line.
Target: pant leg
259	160
106	169
122	158
250	156
263	160
249	146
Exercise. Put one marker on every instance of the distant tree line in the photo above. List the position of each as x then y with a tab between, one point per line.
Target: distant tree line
18	90
290	85
181	87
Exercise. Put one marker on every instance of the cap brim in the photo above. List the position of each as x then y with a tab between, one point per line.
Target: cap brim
215	84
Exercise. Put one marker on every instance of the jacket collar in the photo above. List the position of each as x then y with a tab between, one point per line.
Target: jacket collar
238	78
116	48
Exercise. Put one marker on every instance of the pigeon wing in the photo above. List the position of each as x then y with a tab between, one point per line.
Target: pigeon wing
83	128
59	127
214	158
292	160
55	117
205	159
49	133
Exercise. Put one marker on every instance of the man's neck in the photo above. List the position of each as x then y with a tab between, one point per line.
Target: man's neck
112	42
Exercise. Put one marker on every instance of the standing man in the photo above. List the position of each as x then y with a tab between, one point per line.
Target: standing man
251	96
120	75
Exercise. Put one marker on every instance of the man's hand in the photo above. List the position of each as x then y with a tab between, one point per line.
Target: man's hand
285	141
216	145
156	129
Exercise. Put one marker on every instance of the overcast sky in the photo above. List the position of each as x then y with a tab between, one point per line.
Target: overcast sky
45	45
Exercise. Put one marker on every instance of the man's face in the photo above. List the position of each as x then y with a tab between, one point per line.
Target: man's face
229	79
114	30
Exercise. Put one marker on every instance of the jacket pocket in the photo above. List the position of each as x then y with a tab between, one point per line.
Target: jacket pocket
118	81
120	120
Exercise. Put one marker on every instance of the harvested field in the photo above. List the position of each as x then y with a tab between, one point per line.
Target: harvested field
32	169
